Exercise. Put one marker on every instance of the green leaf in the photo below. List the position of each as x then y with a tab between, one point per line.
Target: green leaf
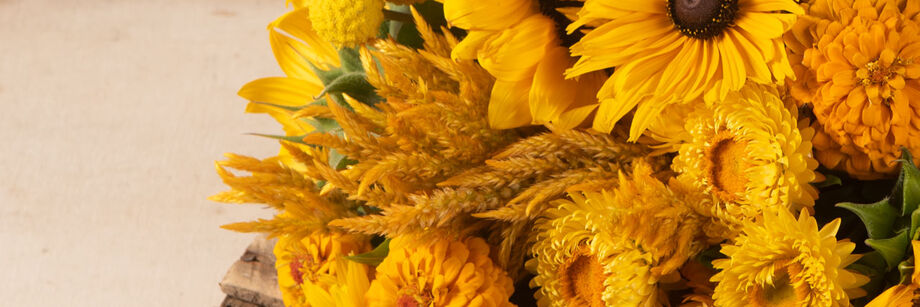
373	257
293	139
878	217
829	180
326	76
323	125
351	60
892	249
354	84
908	186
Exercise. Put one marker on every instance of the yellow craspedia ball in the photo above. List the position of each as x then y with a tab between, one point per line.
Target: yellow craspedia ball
346	23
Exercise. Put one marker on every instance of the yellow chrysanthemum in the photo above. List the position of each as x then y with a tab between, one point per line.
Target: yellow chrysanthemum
347	23
675	51
903	294
299	260
865	71
787	262
750	151
440	273
615	248
520	47
344	287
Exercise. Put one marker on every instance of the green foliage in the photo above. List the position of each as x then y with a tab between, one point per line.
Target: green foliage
374	257
891	222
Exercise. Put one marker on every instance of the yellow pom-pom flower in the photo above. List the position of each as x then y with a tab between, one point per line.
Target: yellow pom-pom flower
675	51
615	248
864	64
347	23
749	151
787	262
440	273
302	260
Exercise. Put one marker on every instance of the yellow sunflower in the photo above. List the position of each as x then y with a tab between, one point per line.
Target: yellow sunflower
440	273
518	42
616	248
903	294
675	51
301	261
863	65
297	48
748	150
787	262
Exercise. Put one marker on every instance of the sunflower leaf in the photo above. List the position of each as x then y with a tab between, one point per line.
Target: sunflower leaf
878	217
374	257
351	60
908	187
892	249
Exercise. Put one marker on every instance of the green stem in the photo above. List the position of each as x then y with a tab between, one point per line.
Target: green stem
397	16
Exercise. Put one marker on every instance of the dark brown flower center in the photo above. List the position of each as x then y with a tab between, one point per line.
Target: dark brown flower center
702	19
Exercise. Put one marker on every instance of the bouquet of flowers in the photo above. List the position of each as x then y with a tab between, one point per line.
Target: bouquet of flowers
590	153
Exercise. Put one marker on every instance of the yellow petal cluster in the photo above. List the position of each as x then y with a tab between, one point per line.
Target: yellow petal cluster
614	248
748	150
864	76
439	273
784	261
520	47
664	55
301	261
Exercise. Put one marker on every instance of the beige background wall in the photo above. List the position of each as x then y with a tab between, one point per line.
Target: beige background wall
111	115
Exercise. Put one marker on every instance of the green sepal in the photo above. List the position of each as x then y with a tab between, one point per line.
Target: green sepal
326	76
355	85
878	217
908	187
324	125
293	139
914	224
374	257
892	249
829	180
351	60
906	268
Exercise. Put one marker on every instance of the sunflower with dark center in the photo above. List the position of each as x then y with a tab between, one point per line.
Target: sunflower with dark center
522	43
673	52
702	19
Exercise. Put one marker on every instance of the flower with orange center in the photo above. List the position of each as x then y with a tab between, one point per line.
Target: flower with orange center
781	261
863	63
440	273
749	151
523	45
617	247
304	259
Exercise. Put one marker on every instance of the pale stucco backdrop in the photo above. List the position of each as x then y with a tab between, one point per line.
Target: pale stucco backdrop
111	115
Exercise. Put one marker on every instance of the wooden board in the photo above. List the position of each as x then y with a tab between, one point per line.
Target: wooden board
252	279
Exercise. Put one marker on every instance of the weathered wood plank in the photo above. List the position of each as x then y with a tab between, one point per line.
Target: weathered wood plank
253	279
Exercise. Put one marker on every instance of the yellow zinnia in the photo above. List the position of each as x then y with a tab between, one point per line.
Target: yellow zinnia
787	262
301	261
518	43
863	65
440	273
614	248
748	150
344	287
903	294
675	51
